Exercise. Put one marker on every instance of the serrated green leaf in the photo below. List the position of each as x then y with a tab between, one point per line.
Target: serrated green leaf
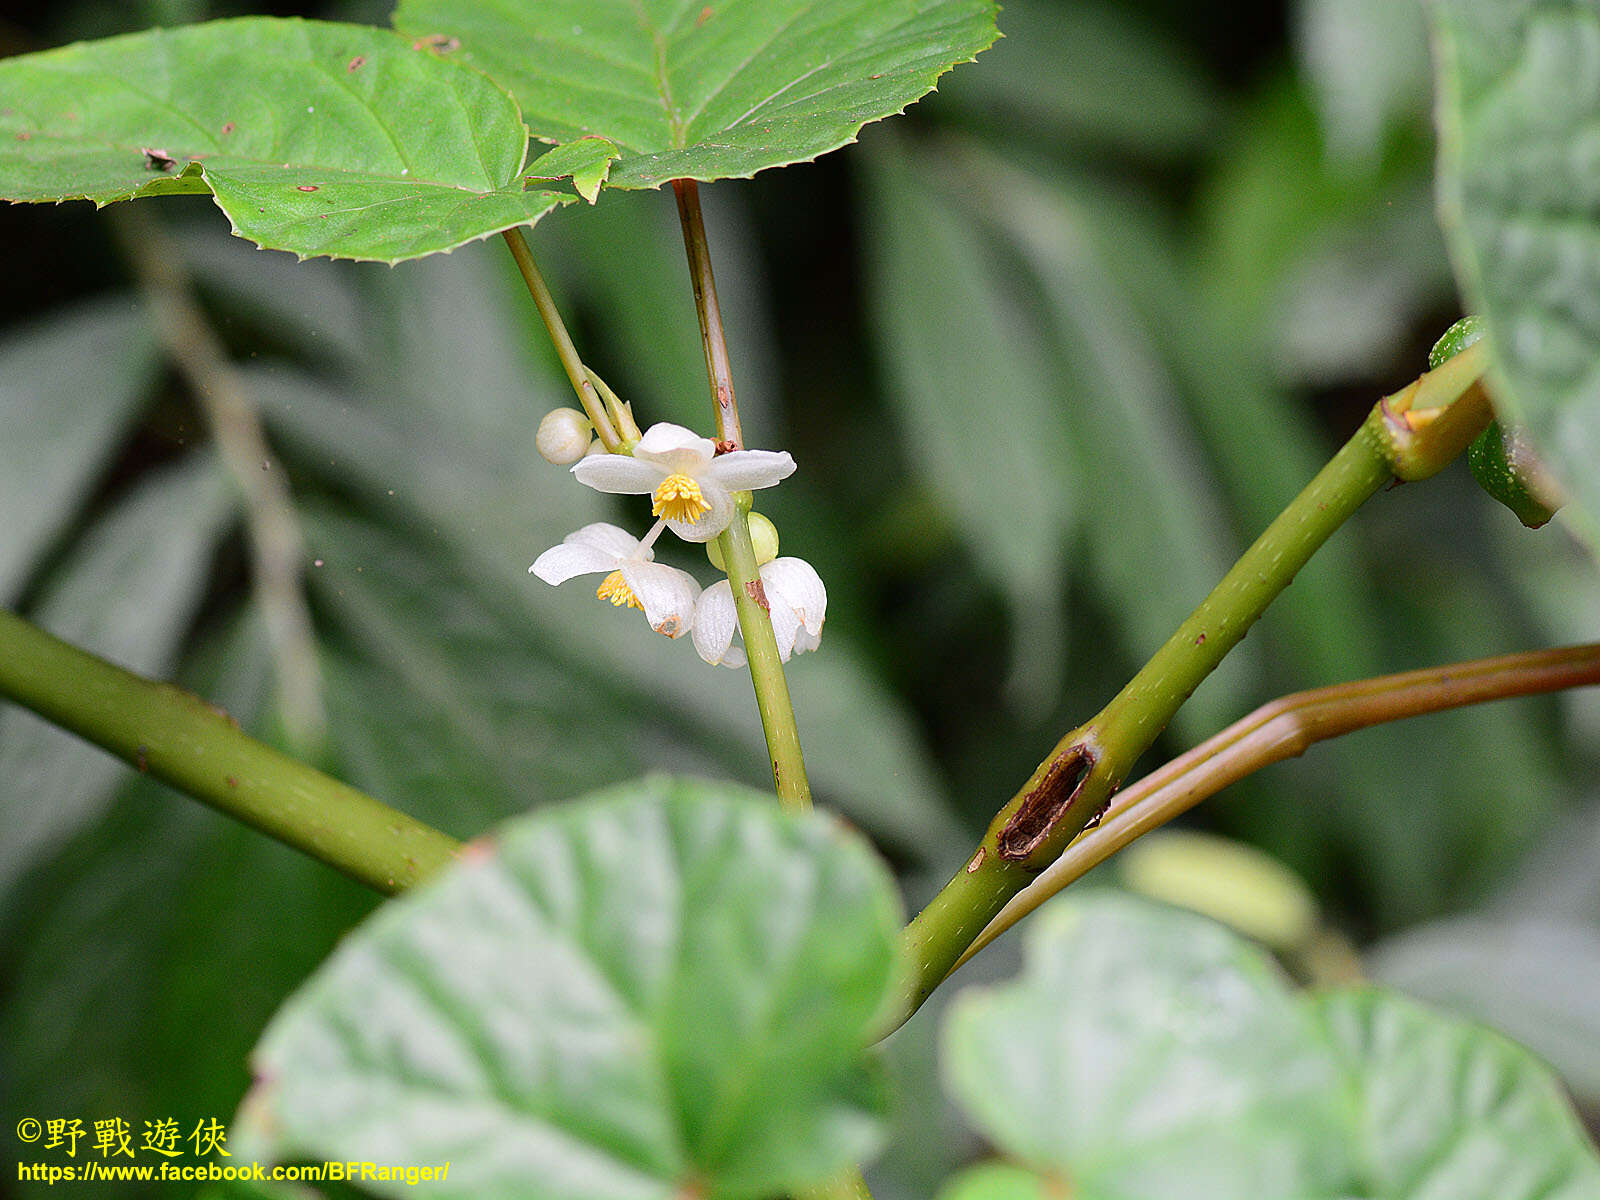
1447	1108
663	990
708	91
586	162
1147	1052
1519	195
314	137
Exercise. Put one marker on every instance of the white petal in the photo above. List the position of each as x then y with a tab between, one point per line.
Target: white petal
619	543
675	448
806	641
734	657
785	625
668	595
799	586
714	623
747	470
711	522
618	473
560	563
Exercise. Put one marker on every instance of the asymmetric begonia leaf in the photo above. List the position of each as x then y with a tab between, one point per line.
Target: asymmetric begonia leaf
1448	1108
1149	1053
662	991
707	90
1519	192
316	138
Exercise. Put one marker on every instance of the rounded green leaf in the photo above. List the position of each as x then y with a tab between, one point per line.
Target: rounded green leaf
707	91
1149	1053
1519	193
314	137
1451	1109
665	990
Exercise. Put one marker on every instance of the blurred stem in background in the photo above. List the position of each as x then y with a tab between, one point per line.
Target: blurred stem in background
277	548
1411	434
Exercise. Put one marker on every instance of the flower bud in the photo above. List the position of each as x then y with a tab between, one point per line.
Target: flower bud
563	436
1456	339
763	536
1505	466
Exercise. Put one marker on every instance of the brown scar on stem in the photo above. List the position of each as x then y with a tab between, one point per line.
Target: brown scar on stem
1045	804
724	446
977	859
756	592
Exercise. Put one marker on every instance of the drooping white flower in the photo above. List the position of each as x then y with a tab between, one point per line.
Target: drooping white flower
690	484
665	594
796	600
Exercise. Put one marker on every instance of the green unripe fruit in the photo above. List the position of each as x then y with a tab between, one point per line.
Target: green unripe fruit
763	536
1456	339
1505	467
1500	459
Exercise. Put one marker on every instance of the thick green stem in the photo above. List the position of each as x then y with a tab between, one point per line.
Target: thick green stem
1285	728
766	668
175	736
577	373
1074	785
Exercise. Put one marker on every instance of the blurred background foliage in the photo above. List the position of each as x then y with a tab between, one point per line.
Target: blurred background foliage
1049	350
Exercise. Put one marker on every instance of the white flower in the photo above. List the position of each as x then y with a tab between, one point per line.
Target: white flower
796	600
666	594
691	485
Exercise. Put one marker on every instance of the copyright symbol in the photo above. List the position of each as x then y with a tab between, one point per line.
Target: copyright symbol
29	1129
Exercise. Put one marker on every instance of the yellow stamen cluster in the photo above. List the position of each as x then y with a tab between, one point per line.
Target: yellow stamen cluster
615	589
679	498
